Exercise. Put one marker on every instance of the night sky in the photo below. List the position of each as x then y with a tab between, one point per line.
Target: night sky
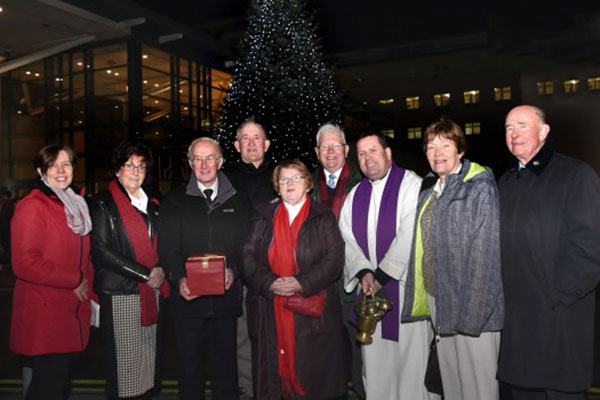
350	25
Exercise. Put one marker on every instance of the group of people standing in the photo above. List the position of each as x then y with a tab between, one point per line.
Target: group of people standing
500	278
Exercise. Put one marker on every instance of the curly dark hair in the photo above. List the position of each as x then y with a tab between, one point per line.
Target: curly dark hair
126	149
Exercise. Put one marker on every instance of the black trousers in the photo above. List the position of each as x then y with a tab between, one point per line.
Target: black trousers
520	393
216	337
355	352
50	377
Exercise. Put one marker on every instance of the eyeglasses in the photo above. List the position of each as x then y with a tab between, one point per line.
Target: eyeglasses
333	146
131	167
293	179
209	160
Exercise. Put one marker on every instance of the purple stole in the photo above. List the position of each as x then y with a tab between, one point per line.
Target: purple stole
386	233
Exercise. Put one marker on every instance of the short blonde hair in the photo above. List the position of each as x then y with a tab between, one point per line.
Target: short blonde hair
293	164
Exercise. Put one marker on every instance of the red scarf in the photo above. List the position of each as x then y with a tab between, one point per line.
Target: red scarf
144	249
340	192
282	258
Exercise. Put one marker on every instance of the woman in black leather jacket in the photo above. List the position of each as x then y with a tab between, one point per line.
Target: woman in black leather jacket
128	281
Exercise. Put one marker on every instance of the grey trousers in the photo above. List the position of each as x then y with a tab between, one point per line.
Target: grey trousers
468	364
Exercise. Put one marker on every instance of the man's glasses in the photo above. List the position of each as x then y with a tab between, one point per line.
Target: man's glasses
333	146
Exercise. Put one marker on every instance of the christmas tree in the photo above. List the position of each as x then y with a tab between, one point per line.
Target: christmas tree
280	79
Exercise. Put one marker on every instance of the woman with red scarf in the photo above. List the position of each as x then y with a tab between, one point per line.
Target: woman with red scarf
294	251
129	281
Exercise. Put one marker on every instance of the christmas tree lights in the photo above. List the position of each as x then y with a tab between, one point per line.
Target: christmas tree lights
281	79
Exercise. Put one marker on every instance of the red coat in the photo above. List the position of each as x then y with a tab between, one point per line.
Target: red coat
48	260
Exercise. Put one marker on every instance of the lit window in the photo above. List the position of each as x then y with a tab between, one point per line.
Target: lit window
471	96
502	93
386	101
472	128
545	88
571	86
388	132
441	99
414	133
412	103
594	83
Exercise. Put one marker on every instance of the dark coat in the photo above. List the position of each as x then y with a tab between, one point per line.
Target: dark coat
189	226
116	271
49	261
320	360
256	182
550	248
355	178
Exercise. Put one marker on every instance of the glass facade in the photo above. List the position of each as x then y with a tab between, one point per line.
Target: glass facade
94	98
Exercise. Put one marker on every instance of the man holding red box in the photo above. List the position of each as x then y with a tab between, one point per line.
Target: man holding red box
203	218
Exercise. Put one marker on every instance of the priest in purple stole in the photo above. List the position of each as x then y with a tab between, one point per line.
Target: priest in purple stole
377	223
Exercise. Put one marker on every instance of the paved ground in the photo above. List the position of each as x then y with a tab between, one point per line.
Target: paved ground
88	379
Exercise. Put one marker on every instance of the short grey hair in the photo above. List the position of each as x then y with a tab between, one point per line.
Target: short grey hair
249	121
330	128
203	139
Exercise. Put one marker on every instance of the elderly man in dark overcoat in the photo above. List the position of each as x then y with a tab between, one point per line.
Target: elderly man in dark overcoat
251	173
550	249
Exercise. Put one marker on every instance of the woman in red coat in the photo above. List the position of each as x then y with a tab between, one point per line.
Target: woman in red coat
50	258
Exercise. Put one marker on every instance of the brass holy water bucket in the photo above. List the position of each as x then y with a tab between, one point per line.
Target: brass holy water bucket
369	311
